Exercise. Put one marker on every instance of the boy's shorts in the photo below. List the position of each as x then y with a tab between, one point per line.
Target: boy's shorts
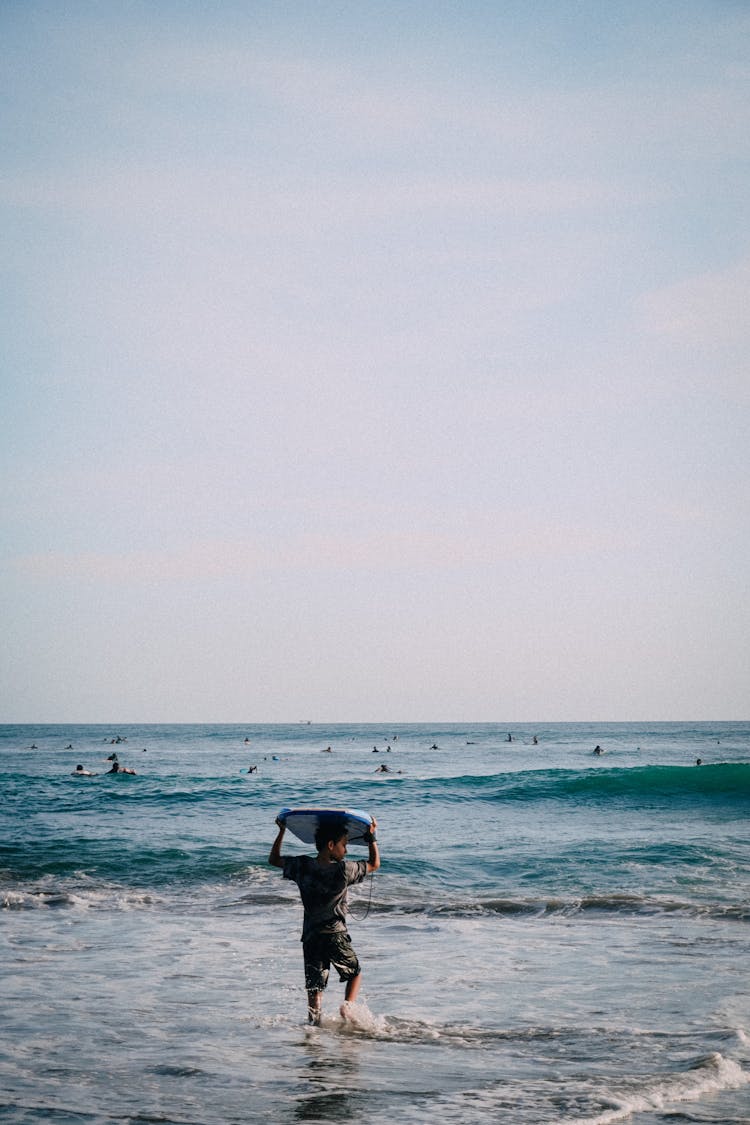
323	950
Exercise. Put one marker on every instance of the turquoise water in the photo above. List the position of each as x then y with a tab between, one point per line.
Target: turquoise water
553	936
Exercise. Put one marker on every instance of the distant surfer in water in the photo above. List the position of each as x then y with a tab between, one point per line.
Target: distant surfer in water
323	883
117	768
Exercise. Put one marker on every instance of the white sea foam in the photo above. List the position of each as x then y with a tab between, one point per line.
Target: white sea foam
21	900
710	1075
109	898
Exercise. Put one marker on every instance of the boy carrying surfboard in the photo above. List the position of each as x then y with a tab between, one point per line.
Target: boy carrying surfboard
323	882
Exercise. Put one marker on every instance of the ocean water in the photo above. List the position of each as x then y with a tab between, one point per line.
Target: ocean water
553	936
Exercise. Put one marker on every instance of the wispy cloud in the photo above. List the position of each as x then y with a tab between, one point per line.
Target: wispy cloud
244	202
514	539
709	309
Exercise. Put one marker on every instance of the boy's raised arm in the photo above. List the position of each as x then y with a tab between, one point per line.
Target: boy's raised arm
373	856
275	858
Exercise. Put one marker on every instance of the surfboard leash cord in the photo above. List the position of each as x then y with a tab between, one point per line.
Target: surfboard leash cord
361	917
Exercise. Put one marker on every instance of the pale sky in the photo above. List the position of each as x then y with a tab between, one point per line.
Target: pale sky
375	361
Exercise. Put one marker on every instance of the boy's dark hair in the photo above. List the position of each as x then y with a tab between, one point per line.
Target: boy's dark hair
329	828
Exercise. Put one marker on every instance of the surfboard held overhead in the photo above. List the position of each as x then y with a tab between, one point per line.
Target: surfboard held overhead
303	823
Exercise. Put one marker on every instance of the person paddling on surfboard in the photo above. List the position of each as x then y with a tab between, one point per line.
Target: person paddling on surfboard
322	884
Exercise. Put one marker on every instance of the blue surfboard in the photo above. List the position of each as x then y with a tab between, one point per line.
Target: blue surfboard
304	823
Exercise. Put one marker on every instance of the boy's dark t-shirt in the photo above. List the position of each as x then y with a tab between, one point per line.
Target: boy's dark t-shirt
322	888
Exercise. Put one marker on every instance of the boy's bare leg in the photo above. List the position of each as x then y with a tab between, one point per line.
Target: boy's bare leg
350	996
352	988
314	1004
